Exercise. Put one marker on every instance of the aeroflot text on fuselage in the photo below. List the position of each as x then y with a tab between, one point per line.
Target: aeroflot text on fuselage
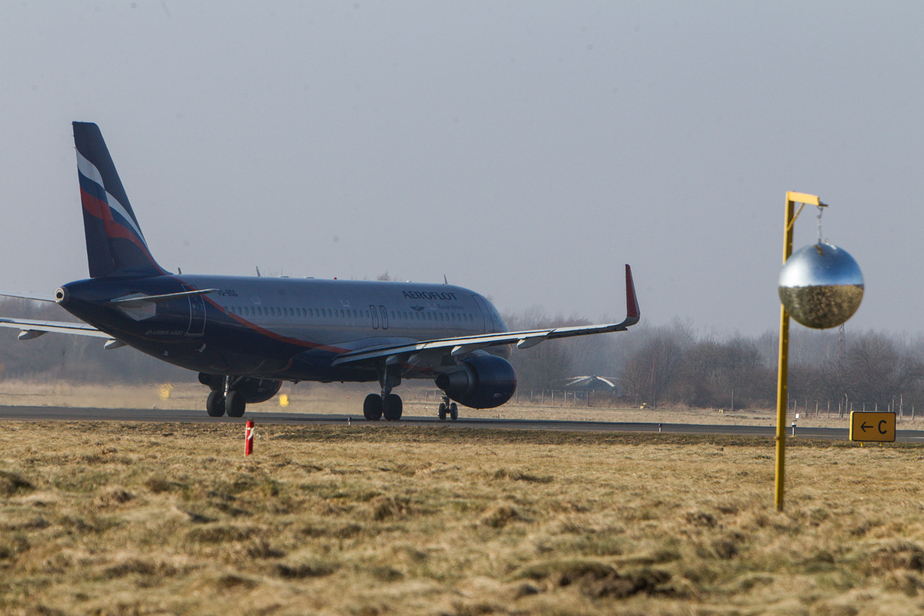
430	295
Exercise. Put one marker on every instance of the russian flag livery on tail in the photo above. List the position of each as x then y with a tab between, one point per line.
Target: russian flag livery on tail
115	244
246	335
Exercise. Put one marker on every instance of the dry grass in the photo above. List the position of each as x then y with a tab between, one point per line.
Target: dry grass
132	518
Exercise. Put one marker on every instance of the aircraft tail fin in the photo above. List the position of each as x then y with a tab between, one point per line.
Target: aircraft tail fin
115	244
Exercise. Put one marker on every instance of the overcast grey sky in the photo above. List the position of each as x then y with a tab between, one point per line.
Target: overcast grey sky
525	150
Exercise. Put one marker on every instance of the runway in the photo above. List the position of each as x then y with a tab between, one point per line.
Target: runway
48	413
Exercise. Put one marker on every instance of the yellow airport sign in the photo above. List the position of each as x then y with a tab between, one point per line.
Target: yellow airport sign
872	426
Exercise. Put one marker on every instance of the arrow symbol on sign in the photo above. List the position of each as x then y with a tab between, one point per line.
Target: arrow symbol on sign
863	426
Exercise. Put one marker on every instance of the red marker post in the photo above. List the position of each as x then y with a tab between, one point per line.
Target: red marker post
248	438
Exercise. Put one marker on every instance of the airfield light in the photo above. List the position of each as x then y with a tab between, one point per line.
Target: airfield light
820	286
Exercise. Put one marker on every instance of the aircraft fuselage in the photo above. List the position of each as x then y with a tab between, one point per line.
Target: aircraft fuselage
280	328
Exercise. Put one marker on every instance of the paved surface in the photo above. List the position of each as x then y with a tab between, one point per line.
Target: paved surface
48	413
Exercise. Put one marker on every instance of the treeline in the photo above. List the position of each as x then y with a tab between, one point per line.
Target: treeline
676	366
672	365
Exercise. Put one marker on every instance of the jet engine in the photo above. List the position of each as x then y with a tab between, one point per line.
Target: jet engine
257	390
254	390
482	382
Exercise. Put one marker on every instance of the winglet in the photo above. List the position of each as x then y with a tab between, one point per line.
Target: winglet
633	314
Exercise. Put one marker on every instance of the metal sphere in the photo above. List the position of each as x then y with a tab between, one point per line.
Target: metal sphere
821	286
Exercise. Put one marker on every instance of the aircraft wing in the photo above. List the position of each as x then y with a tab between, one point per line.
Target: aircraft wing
33	329
463	345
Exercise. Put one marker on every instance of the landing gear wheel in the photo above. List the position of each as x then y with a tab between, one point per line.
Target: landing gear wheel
392	407
235	404
372	407
453	411
215	406
442	411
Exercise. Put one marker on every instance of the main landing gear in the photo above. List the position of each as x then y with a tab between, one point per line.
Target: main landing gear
387	405
224	398
450	407
375	407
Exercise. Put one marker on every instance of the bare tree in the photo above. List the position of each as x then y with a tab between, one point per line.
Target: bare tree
650	371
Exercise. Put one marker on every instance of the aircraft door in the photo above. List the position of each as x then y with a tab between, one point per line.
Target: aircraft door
384	314
196	313
484	312
375	317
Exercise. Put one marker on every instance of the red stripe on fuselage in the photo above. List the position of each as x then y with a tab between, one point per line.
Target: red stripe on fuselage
270	334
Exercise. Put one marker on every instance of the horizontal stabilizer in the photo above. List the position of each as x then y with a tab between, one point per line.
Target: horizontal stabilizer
139	299
61	327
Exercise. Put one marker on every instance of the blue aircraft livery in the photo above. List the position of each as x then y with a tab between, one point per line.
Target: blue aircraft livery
246	335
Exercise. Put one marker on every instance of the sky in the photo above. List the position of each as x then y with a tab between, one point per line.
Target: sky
526	150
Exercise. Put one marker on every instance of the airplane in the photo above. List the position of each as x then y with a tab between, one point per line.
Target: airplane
246	335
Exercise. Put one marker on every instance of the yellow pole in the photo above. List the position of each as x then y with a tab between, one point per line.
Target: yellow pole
782	396
782	374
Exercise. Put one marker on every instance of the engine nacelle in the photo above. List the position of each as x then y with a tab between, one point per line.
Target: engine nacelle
214	381
482	382
257	390
254	390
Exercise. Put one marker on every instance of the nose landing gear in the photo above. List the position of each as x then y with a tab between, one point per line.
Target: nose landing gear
450	407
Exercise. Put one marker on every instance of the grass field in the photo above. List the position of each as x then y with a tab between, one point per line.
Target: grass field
133	518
